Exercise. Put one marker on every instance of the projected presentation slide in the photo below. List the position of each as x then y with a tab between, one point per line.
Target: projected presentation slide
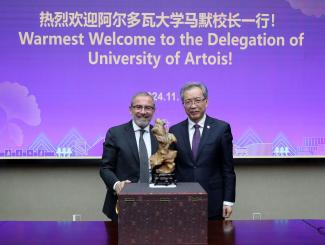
68	70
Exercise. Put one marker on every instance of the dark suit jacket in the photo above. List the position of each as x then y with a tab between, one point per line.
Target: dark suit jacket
213	168
120	162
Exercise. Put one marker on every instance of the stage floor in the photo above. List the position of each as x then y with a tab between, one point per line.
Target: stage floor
219	232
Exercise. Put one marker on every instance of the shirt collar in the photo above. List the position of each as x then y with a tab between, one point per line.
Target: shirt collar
200	123
137	128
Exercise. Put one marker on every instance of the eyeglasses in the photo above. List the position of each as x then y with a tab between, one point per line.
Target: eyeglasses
195	101
143	107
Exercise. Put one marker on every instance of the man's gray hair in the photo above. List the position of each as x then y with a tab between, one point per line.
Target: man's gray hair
191	85
142	94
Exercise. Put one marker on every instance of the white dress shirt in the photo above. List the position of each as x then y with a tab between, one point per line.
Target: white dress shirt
146	136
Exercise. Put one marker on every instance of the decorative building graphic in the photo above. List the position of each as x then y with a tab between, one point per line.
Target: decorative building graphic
248	138
96	149
313	146
260	149
282	147
42	146
239	151
249	144
73	144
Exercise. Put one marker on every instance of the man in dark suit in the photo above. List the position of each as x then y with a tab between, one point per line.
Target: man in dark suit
204	152
127	148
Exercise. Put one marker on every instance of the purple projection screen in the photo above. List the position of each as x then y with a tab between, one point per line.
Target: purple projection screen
68	70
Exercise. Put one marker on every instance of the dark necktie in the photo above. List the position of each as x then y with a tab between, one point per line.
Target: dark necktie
143	156
196	140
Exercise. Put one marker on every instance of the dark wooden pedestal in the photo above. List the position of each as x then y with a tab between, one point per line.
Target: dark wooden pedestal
163	215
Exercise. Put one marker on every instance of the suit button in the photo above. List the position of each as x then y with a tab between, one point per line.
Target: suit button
195	167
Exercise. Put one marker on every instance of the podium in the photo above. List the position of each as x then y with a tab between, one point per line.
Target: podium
163	215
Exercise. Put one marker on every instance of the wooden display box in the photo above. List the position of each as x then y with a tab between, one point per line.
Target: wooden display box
163	215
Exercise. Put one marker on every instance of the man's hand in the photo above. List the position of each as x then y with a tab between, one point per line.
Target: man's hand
226	211
120	185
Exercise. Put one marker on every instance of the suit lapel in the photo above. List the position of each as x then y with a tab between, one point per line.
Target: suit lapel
205	134
186	139
132	142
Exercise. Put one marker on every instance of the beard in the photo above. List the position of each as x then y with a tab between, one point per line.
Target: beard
142	122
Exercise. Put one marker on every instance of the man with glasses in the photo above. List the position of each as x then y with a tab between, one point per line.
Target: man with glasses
126	152
204	152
